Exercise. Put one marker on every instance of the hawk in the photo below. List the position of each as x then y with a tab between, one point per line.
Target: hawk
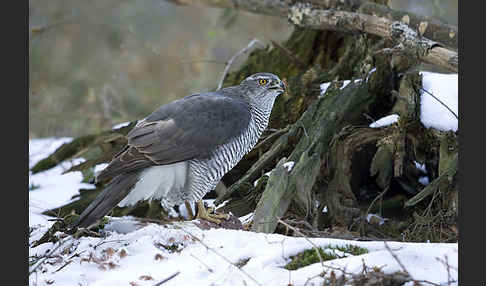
180	152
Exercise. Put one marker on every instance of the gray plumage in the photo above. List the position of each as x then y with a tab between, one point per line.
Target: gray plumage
181	151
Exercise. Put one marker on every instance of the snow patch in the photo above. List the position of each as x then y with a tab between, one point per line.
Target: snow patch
120	125
51	188
158	252
424	180
133	249
345	83
100	167
420	166
289	165
324	87
385	121
433	113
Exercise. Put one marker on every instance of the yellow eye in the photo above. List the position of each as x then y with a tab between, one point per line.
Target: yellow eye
262	81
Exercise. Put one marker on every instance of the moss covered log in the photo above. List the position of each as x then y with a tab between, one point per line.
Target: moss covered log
97	147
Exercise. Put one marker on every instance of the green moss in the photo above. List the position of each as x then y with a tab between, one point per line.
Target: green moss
88	174
309	256
174	247
352	249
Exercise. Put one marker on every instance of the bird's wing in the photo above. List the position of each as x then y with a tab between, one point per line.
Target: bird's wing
182	130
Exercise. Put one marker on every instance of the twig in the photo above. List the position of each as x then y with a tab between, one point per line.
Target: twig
396	258
405	269
48	256
103	241
448	268
202	61
167	279
301	65
429	93
312	277
305	237
230	62
202	262
218	254
66	264
380	195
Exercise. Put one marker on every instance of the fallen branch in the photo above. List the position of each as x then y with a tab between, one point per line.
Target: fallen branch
443	181
411	42
167	279
346	16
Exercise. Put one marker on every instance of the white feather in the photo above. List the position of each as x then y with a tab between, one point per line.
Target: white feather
158	182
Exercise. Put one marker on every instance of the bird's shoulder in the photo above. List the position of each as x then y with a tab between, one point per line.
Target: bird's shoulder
216	104
193	125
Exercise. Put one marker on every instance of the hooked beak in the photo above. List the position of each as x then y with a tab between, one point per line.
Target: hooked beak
280	86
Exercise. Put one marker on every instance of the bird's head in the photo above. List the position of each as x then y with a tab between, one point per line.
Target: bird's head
263	85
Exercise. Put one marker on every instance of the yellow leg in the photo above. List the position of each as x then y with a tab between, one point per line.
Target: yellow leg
208	215
189	210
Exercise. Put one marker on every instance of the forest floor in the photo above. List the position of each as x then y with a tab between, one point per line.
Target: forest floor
141	253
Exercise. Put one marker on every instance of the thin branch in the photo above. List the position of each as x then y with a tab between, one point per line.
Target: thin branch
396	258
380	195
202	61
39	263
220	255
202	262
305	237
429	93
300	64
167	279
230	62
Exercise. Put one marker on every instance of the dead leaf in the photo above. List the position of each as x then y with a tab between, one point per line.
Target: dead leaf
146	277
109	252
122	253
159	257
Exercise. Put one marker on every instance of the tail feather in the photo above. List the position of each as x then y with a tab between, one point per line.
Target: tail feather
114	192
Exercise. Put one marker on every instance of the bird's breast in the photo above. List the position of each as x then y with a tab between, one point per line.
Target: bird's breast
206	173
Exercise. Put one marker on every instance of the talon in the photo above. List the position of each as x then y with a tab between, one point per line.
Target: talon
209	215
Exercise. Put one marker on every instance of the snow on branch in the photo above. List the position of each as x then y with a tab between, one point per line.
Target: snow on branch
406	39
343	16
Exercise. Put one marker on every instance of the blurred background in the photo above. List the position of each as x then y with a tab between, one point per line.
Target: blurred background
94	64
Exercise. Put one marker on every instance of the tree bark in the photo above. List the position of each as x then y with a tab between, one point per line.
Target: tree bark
428	45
